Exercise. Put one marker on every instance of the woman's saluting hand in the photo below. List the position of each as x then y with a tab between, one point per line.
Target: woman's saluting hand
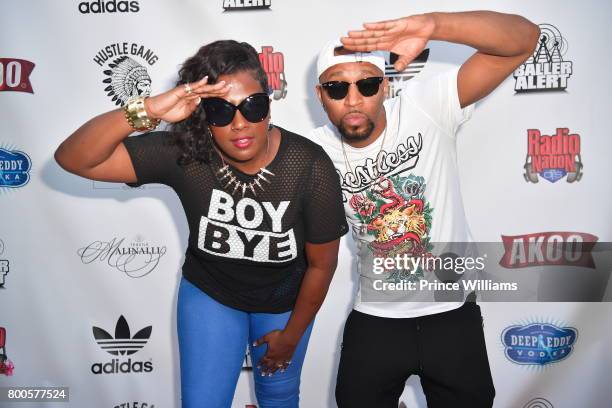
180	102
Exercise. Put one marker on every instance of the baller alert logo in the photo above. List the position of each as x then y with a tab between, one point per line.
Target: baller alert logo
546	69
232	5
553	157
15	75
274	65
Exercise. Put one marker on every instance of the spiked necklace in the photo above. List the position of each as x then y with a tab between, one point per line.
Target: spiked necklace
227	178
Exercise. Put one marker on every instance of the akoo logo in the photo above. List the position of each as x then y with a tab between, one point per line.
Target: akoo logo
15	168
538	343
122	344
4	266
397	78
546	69
125	76
15	75
232	5
6	365
274	65
553	157
549	248
109	6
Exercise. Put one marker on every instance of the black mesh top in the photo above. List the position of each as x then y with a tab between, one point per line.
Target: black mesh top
247	252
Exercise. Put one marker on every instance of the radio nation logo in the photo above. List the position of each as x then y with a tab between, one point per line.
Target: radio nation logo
15	75
273	64
397	78
6	365
553	157
546	69
538	344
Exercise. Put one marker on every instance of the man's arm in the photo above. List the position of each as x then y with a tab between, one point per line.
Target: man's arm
502	41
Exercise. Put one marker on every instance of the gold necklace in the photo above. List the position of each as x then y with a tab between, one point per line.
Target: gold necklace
225	172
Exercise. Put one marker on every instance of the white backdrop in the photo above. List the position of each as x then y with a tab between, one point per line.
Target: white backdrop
59	283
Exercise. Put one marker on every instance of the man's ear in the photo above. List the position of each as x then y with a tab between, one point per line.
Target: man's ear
320	96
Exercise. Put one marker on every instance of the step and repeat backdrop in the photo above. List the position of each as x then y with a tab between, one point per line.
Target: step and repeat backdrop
89	270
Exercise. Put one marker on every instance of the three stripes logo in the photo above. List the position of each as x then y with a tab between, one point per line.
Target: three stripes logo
122	344
396	79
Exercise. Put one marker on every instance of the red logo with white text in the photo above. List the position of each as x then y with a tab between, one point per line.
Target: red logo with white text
553	157
15	75
548	248
274	65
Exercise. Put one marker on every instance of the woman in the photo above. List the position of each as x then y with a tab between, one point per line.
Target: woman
264	210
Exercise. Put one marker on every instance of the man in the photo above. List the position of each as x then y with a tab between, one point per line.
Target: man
397	163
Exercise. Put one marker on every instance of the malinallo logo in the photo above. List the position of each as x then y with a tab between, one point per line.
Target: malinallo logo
109	6
397	79
232	5
122	343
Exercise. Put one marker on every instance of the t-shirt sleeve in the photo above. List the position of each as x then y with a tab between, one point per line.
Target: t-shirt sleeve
324	210
438	97
154	157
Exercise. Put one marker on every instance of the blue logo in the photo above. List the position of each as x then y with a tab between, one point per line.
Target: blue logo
14	168
538	344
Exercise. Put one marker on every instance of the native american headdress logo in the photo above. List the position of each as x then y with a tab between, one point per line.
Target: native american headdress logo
126	78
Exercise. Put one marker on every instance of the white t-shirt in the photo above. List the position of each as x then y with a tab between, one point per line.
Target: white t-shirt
406	197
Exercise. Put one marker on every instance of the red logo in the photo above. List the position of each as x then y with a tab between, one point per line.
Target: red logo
274	65
553	157
15	75
548	248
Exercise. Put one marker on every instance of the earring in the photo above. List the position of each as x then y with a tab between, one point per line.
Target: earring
270	124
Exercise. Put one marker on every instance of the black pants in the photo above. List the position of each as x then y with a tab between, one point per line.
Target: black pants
446	350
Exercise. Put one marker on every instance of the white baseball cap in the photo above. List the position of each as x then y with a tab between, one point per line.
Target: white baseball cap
327	57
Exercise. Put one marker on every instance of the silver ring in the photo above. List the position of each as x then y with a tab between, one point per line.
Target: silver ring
187	88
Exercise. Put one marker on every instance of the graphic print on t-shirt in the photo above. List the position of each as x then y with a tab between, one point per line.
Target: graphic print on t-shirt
405	157
252	239
394	210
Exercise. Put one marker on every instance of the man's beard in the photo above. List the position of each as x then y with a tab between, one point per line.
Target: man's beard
350	133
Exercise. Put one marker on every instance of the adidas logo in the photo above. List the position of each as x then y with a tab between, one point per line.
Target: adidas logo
110	6
122	344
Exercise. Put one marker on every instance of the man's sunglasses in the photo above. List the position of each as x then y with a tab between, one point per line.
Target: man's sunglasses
220	112
339	89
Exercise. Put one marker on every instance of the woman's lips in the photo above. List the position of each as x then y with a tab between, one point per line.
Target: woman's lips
243	142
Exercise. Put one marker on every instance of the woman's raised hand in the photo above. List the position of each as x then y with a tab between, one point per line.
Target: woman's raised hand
178	103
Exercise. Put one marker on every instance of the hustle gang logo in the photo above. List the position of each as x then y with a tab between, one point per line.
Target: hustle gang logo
538	344
110	6
122	344
232	5
125	76
397	78
6	365
4	266
273	64
546	69
15	167
15	75
553	157
548	248
136	259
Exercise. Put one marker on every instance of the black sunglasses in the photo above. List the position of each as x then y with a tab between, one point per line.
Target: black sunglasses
339	89
220	112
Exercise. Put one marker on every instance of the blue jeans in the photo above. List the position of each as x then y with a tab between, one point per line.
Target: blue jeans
212	343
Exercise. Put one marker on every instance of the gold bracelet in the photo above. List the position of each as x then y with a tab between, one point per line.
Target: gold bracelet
136	115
